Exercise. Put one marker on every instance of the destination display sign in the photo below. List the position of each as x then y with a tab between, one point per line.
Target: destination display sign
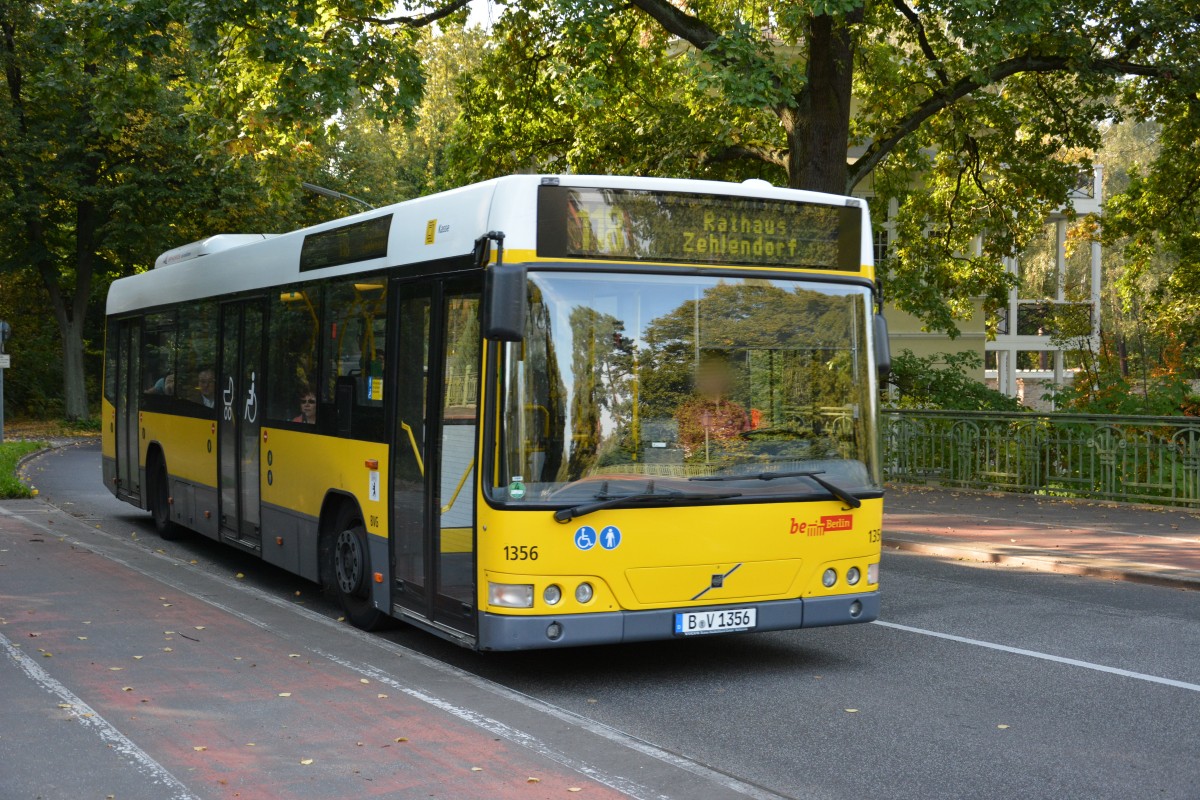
640	225
358	241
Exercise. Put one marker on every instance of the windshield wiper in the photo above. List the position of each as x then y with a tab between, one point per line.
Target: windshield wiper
813	475
604	501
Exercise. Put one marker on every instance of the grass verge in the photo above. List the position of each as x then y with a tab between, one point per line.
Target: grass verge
10	454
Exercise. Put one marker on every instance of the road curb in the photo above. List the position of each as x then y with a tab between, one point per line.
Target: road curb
1039	560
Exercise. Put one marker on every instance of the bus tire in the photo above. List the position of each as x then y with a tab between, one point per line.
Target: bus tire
160	499
346	570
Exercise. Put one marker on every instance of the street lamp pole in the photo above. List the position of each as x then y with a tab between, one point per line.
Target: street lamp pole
4	331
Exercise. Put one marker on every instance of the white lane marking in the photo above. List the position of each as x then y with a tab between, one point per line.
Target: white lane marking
142	761
1073	662
493	726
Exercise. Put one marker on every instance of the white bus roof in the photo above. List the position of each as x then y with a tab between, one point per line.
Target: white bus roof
439	226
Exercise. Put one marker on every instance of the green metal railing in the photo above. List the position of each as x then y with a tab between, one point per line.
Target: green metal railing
1131	459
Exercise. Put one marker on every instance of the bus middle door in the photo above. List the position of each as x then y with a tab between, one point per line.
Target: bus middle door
239	395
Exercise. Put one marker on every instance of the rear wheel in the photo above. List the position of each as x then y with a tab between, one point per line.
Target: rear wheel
160	500
346	571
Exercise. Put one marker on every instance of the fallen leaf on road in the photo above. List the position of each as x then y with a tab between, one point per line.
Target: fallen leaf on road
115	669
381	696
285	694
533	780
126	688
81	638
240	576
1002	727
358	744
476	769
138	658
401	739
198	627
167	605
249	744
363	680
168	650
851	710
200	748
47	655
34	635
293	655
306	761
574	789
64	705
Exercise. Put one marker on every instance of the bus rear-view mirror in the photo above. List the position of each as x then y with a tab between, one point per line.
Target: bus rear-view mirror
505	307
883	349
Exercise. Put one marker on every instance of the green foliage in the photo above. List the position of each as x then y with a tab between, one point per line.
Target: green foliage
977	123
130	126
10	454
940	381
33	387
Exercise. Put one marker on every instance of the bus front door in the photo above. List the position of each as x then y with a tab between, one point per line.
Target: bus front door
129	393
433	462
239	421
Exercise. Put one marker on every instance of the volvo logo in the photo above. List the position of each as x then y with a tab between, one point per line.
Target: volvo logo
718	581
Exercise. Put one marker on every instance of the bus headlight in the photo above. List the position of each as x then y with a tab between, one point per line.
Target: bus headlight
852	575
552	595
829	578
873	573
584	592
511	595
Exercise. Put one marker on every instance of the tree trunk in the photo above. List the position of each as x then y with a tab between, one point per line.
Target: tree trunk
75	400
818	128
70	308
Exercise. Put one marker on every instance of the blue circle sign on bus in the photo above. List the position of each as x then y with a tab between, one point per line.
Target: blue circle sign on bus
585	537
610	537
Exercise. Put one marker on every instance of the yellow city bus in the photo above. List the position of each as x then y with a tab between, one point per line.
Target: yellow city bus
534	412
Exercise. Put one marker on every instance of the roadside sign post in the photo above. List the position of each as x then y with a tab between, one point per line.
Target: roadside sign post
4	331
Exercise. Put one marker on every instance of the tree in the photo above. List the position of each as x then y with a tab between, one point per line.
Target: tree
977	122
126	123
81	141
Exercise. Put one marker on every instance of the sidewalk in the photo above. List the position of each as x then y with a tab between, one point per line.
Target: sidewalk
1143	544
129	672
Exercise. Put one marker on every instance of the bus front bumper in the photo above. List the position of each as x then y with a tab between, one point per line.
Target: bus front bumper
502	632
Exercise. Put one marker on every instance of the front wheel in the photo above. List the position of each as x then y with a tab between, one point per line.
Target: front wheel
346	572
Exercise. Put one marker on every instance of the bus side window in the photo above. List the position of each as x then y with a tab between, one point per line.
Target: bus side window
292	354
355	333
110	362
158	354
195	370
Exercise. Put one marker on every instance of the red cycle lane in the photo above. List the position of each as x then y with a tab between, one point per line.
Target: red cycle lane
231	709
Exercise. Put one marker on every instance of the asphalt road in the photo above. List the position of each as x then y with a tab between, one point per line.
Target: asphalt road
979	682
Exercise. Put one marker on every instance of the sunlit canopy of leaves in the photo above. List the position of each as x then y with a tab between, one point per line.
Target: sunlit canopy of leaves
977	118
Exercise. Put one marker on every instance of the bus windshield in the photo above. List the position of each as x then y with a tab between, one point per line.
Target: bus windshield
680	384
